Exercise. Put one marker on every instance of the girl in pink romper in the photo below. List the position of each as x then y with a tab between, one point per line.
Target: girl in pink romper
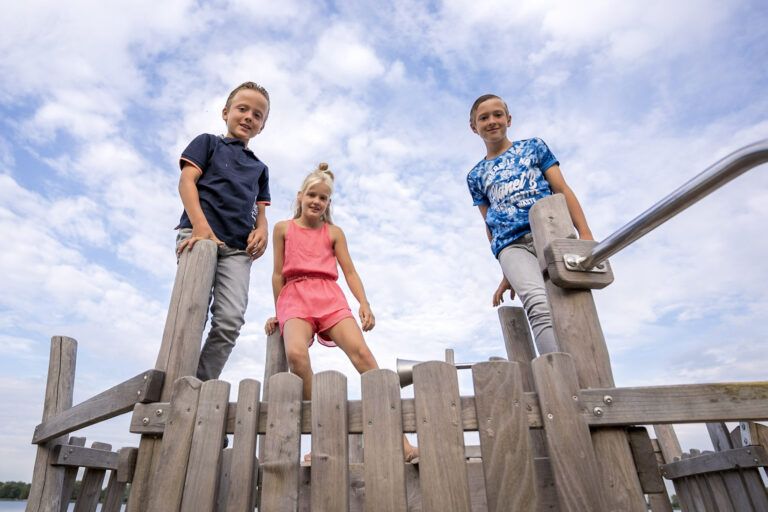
308	300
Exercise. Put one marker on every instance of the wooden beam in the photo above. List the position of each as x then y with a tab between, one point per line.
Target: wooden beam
690	403
115	401
95	458
739	458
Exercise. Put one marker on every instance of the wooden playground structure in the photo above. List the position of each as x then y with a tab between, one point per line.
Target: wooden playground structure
555	432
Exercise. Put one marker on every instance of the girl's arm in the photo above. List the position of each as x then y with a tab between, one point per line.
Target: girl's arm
558	185
354	282
278	248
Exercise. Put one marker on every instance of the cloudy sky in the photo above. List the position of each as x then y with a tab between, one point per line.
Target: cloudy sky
97	100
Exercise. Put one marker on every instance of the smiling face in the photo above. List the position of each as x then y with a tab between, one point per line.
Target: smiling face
491	121
246	114
314	202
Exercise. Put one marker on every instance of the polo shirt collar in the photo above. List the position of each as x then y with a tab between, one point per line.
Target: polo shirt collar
234	140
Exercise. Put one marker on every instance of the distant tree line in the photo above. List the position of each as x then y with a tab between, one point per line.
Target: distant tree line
14	490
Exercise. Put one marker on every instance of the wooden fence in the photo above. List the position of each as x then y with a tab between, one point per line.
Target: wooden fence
555	433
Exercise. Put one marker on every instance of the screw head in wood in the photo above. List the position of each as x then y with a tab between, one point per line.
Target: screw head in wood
597	411
145	421
608	399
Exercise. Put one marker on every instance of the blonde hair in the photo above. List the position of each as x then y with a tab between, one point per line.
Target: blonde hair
320	175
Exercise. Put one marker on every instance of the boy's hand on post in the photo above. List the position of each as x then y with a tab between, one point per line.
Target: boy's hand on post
198	233
367	319
257	243
271	325
498	295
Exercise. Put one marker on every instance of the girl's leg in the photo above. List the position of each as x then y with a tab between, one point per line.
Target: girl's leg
349	338
296	335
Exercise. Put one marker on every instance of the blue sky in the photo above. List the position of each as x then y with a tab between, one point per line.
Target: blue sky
97	100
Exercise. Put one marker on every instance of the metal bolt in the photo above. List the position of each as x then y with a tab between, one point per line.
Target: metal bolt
608	399
145	376
138	393
597	411
550	416
159	412
575	398
145	421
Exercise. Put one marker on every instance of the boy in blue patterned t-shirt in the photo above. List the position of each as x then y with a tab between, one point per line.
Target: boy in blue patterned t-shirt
504	185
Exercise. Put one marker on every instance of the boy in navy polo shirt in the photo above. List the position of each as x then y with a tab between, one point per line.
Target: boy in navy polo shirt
225	190
504	186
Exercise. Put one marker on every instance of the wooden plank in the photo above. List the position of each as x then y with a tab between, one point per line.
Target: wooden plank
174	451
668	443
645	460
746	457
684	496
78	456
546	490
697	495
720	493
504	439
70	475
720	437
90	489
559	273
275	363
752	433
570	445
382	430
280	465
225	484
660	502
151	418
242	495
113	500
115	401
578	332
737	491
687	403
444	484
48	481
755	487
330	446
205	455
126	464
179	349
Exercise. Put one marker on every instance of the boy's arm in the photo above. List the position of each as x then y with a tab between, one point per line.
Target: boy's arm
191	201
558	185
258	237
278	246
354	282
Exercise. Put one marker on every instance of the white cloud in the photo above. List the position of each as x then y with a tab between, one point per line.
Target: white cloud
341	58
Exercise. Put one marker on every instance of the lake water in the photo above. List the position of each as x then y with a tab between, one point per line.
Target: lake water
16	506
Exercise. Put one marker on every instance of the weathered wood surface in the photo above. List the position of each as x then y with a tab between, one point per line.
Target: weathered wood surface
752	433
205	456
242	496
578	332
645	461
120	399
576	473
559	273
280	465
147	420
78	456
47	480
668	443
688	403
330	446
275	363
382	431
113	499
504	439
179	349
90	489
70	475
444	483
171	472
225	484
126	463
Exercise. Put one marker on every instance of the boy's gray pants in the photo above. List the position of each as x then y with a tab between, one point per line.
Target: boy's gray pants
521	268
228	301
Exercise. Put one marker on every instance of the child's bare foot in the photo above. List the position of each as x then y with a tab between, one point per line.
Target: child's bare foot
410	452
308	457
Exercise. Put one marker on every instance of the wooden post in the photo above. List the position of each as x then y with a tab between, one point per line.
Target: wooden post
179	349
45	494
330	446
570	447
242	495
275	363
93	479
578	332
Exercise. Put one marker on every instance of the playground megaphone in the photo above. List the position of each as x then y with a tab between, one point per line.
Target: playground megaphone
405	370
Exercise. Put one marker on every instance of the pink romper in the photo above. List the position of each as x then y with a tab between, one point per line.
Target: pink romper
310	291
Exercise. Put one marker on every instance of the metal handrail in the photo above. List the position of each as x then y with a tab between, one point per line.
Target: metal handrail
701	185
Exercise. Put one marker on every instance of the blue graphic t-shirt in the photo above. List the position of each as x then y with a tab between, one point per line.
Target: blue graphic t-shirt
509	185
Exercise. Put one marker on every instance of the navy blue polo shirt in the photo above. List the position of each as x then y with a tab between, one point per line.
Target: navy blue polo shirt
234	180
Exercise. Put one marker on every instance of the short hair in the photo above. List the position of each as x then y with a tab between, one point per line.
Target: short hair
247	85
320	175
478	101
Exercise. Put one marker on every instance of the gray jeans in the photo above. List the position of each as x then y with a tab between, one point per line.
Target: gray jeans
228	301
521	268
